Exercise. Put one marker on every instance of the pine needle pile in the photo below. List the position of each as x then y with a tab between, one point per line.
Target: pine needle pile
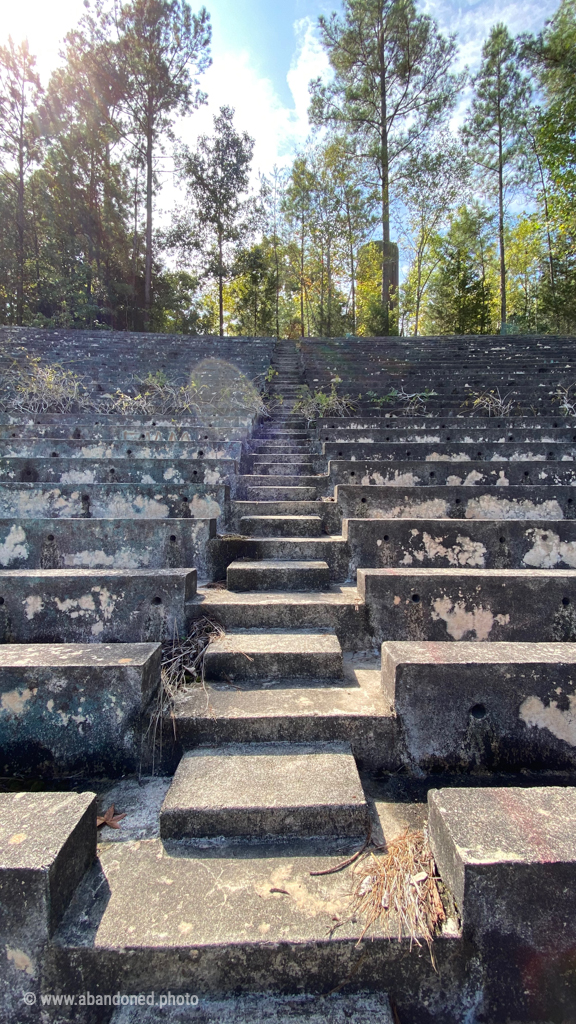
402	884
182	665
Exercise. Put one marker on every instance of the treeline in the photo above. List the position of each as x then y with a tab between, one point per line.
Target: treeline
470	179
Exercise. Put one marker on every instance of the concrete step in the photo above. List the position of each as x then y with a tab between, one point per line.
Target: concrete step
81	471
327	511
283	458
94	605
278	526
287	790
281	494
332	550
476	706
283	479
108	501
106	687
247	1009
339	609
258	657
429	451
285	468
471	604
274	574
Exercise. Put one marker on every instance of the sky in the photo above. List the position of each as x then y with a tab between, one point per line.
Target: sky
264	54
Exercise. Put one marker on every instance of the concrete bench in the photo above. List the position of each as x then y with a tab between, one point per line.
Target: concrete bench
70	449
470	604
475	543
94	605
487	707
109	543
458	502
210	472
461	434
509	858
491	451
74	708
441	474
47	843
111	501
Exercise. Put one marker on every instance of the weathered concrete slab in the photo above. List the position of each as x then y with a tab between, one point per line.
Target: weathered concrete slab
331	550
74	708
47	843
470	604
261	1009
327	510
474	543
474	502
94	605
259	657
159	917
260	791
109	543
281	526
449	474
340	609
68	448
278	575
509	857
497	707
161	472
92	429
427	451
469	432
112	501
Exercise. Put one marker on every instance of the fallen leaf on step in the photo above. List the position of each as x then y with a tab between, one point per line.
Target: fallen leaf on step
109	818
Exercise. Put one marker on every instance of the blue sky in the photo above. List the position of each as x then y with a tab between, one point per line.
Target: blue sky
265	52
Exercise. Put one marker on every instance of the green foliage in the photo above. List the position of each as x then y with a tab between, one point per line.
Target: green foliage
463	288
317	404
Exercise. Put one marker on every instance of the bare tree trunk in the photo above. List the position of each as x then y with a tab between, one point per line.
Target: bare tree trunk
149	184
20	212
329	282
352	267
386	276
220	286
501	223
302	278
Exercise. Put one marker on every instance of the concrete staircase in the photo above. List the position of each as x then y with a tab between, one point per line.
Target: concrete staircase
397	597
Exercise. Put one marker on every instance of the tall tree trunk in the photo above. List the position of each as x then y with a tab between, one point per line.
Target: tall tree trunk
20	212
385	199
149	184
220	285
501	221
352	266
302	278
329	282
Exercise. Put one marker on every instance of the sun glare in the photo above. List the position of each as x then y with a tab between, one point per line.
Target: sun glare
43	24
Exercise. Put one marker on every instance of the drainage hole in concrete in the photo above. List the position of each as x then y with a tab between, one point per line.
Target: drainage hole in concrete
416	598
478	711
194	472
457	501
544	536
386	537
432	475
156	600
526	473
50	536
129	452
565	601
1	600
172	538
502	540
352	473
142	436
363	500
184	498
200	455
54	455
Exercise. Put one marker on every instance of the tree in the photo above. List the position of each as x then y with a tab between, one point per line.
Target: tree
432	182
297	206
392	85
19	92
496	129
216	175
461	299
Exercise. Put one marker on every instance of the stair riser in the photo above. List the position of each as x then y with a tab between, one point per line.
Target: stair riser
225	667
281	494
287	578
281	527
349	623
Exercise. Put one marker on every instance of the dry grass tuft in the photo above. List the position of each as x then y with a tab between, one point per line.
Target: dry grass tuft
182	665
403	884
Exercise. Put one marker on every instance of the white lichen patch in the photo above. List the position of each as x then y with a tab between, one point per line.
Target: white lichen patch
465	552
548	550
147	479
454	481
14	701
14	547
561	724
502	480
474	477
21	961
76	608
489	507
455	457
459	622
78	476
126	558
212	477
399	479
33	605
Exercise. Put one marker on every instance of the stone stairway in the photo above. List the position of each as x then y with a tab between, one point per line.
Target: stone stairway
281	638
